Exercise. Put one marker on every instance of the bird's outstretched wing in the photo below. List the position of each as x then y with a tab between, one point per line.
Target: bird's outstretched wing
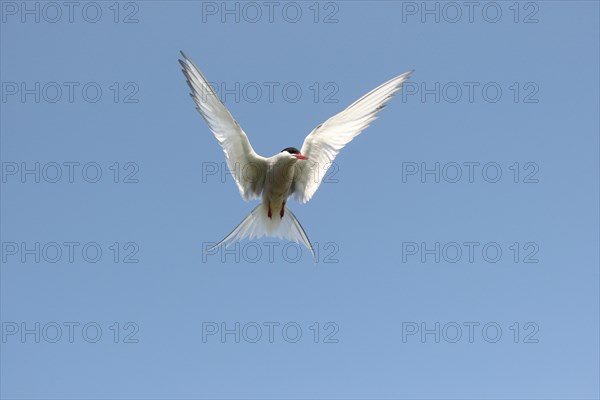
324	143
247	167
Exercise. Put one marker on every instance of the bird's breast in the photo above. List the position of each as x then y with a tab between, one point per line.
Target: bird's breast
279	179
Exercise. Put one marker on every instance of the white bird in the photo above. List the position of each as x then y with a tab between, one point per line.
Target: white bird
292	172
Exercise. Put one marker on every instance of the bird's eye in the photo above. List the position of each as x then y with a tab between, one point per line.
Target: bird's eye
291	150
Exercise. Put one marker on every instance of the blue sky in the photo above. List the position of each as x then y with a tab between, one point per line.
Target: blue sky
457	237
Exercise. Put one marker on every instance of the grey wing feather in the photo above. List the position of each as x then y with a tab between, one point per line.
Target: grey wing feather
324	143
247	167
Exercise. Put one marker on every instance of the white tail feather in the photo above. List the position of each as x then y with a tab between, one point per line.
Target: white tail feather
257	224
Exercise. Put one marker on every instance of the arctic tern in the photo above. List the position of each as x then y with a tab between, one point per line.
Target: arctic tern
292	172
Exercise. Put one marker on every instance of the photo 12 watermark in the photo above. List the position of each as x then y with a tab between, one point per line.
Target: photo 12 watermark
220	171
69	252
270	252
69	12
270	332
270	12
452	252
270	92
52	172
470	12
470	92
470	332
69	92
427	172
69	332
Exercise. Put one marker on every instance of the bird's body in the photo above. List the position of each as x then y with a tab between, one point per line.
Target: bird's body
278	183
290	173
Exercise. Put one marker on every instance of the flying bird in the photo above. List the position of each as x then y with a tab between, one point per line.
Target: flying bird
290	173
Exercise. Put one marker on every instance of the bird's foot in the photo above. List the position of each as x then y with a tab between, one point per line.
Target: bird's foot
269	213
282	211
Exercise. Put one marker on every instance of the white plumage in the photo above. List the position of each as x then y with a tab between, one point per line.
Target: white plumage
289	173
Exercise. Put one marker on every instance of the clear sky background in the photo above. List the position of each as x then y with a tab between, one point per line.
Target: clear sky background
402	307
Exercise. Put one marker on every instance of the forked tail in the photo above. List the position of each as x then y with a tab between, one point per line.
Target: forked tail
257	224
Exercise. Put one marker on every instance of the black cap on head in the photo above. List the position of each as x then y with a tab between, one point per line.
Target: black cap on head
291	150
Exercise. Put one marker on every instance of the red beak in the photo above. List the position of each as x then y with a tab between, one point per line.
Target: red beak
301	157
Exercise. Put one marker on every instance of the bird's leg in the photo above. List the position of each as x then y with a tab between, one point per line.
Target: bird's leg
269	213
282	210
